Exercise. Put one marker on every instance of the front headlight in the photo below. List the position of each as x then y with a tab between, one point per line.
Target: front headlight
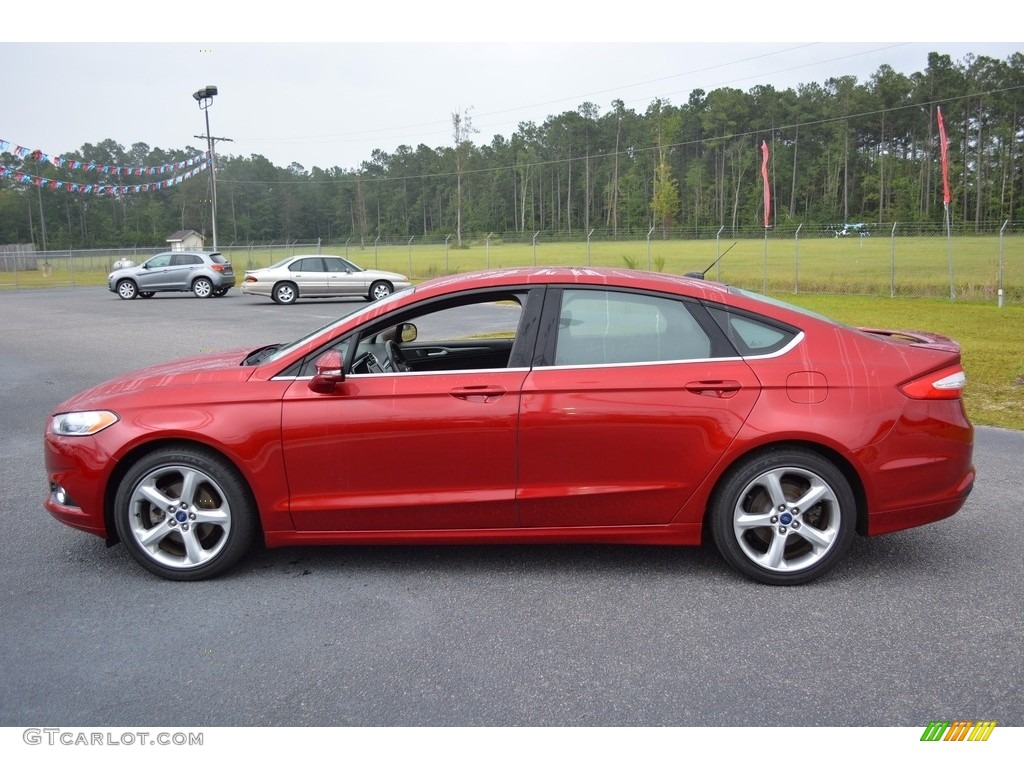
82	422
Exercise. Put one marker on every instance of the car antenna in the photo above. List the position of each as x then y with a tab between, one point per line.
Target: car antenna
700	275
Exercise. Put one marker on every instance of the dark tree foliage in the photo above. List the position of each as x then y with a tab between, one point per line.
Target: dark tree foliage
841	150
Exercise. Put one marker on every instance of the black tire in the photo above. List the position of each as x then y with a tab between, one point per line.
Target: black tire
179	538
202	287
147	294
220	292
380	290
285	293
760	528
127	289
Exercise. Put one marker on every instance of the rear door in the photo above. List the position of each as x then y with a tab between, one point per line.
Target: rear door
183	268
632	400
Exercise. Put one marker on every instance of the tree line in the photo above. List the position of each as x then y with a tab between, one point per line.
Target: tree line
840	151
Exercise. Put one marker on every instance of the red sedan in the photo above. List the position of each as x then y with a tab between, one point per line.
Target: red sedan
528	405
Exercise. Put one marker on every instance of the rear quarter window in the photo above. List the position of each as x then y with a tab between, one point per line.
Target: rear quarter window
753	335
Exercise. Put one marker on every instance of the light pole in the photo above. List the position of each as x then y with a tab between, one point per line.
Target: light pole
205	99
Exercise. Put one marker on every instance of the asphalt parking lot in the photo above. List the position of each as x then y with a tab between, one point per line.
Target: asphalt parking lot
916	626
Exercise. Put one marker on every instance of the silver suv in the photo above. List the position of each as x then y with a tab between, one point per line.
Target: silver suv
204	274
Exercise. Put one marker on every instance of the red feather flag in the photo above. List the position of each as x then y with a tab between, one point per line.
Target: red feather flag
944	148
767	188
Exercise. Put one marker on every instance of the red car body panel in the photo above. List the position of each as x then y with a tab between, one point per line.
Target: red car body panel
616	453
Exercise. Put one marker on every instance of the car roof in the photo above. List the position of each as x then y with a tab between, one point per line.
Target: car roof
189	251
606	276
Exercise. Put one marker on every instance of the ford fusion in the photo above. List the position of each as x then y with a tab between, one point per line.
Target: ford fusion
525	406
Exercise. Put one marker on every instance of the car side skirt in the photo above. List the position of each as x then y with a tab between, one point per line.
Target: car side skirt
685	534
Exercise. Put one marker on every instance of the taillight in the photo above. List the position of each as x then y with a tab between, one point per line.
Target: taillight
218	267
249	279
945	384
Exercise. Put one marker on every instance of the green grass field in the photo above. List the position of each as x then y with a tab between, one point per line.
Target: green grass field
902	283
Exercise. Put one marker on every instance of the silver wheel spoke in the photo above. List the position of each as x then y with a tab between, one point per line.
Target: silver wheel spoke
194	553
772	482
746	521
820	540
190	481
815	493
218	517
149	492
151	538
773	557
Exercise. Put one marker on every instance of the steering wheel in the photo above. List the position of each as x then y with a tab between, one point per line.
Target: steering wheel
396	358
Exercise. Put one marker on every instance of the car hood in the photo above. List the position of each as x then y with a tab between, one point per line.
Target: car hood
394	277
213	368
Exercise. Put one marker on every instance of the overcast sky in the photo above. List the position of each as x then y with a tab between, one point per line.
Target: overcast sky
331	103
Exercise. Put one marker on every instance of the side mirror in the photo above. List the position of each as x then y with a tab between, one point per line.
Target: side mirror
407	332
329	373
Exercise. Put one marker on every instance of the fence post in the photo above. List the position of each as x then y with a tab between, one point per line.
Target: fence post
718	253
796	260
1002	259
892	261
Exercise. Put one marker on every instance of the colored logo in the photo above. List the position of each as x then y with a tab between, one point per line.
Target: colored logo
958	730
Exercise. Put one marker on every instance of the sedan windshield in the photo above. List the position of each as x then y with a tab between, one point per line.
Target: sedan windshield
284	349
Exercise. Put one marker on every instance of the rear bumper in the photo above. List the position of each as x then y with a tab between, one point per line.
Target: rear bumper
898	520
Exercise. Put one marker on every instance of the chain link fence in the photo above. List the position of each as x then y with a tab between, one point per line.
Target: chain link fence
893	260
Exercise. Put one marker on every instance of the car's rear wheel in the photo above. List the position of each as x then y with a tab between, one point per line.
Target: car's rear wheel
285	293
202	288
220	292
147	294
380	290
784	517
127	289
184	513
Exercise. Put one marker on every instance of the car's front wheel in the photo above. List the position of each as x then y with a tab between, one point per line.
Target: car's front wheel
127	289
202	287
784	517
380	290
285	293
184	513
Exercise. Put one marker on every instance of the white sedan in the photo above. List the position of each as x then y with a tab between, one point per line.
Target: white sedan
320	277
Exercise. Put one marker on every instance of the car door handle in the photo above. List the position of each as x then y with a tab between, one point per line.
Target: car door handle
714	387
481	393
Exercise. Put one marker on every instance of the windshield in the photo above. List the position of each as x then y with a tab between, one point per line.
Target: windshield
284	349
